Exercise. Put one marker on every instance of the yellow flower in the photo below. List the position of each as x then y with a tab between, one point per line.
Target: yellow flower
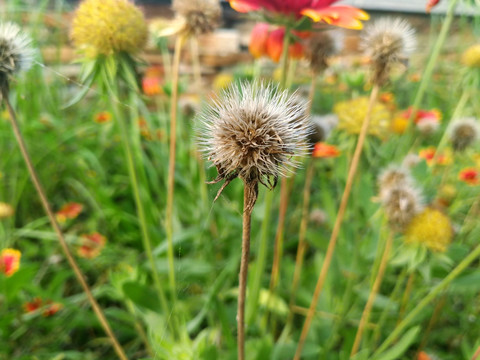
105	27
351	115
431	228
6	210
9	261
471	56
222	81
399	125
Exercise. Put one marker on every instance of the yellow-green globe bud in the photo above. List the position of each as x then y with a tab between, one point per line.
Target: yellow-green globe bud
106	27
471	56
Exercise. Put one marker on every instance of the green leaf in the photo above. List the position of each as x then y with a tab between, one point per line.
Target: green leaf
141	295
304	24
401	346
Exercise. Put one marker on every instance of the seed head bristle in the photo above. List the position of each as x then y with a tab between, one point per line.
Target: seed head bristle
254	131
464	132
401	205
320	47
201	16
16	52
322	126
388	41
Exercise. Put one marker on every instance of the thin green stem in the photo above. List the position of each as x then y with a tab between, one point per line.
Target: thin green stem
132	173
426	300
171	166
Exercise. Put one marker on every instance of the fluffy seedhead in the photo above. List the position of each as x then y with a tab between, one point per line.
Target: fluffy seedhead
428	126
387	41
394	176
318	49
106	27
254	131
464	132
401	205
16	52
322	126
201	16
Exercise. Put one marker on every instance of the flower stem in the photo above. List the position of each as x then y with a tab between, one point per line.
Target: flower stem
302	245
477	354
432	322
426	300
147	242
171	165
73	264
338	222
373	293
406	296
248	197
432	61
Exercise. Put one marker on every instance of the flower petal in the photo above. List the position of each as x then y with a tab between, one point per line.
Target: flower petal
258	40
244	6
275	44
343	16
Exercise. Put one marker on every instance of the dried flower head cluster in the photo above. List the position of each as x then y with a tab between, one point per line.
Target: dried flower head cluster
106	27
322	126
387	41
319	48
464	132
431	228
201	16
400	197
351	115
254	131
16	52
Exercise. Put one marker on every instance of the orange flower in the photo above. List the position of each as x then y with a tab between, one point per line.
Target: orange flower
10	261
420	115
470	175
323	150
267	42
69	211
430	156
33	305
387	97
103	117
422	355
52	308
92	245
151	85
415	77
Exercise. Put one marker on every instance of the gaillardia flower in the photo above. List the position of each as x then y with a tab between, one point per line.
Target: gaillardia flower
464	132
92	245
471	56
254	131
323	150
387	41
431	228
106	27
69	211
16	53
351	114
317	10
470	175
201	16
10	261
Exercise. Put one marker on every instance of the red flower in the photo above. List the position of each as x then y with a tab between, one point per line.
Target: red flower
92	245
317	10
323	150
267	42
152	86
69	211
470	175
433	115
431	4
10	261
33	305
429	154
52	308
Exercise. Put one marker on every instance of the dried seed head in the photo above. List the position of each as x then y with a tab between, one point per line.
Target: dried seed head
105	27
428	126
322	127
318	217
411	160
201	16
394	176
464	132
254	131
16	52
401	204
387	41
318	49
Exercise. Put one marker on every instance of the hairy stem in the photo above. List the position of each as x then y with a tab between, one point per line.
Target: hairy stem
373	294
73	264
338	223
248	198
